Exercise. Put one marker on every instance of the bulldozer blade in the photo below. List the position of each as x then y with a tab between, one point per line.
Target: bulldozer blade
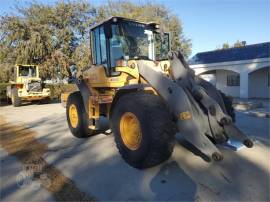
179	104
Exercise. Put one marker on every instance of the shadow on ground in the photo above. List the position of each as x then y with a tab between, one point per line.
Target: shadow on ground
21	142
84	169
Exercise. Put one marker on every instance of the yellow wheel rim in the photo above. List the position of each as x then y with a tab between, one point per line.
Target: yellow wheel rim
130	131
73	115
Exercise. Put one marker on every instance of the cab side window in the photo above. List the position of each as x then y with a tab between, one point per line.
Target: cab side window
98	41
97	46
103	46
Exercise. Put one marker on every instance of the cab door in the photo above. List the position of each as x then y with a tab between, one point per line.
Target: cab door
99	48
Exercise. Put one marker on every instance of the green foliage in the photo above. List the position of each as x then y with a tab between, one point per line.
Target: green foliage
57	89
3	88
149	12
5	72
82	55
237	44
45	35
225	46
55	36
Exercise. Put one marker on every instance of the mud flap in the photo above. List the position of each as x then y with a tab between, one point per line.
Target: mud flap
85	92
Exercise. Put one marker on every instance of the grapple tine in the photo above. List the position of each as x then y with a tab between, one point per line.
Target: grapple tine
234	132
198	114
192	126
192	134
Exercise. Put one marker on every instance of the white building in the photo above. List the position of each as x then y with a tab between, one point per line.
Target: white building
240	72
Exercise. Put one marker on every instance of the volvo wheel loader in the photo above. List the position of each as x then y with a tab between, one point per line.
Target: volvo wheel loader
27	86
148	93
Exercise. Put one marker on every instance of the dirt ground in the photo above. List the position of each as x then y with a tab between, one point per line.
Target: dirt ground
42	161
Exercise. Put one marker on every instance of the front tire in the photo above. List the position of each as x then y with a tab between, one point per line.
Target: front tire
77	117
143	129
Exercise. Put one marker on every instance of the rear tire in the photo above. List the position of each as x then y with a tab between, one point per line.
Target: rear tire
157	129
9	101
228	105
15	99
77	117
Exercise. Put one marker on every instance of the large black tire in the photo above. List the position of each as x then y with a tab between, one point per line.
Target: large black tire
156	126
228	105
218	95
9	100
15	99
80	129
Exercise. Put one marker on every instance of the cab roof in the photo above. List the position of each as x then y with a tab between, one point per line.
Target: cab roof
26	65
112	18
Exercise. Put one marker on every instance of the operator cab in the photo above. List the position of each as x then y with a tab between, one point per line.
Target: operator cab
26	70
118	39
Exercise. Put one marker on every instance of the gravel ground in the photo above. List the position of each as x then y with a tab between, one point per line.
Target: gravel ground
42	161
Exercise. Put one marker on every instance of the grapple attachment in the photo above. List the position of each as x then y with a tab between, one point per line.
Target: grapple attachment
197	105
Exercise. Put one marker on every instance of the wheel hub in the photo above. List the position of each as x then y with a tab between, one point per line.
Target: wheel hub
73	116
130	131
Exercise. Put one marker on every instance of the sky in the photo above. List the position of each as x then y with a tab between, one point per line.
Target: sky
208	23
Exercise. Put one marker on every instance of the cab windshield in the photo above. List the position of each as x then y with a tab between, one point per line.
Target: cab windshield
29	71
131	40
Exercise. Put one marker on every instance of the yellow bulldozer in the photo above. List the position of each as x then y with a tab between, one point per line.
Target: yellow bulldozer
26	86
148	93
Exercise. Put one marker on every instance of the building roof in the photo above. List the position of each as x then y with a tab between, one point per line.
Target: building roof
248	52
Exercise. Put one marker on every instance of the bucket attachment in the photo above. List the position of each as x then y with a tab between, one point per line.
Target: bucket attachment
197	106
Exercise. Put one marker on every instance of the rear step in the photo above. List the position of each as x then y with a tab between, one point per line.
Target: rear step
94	124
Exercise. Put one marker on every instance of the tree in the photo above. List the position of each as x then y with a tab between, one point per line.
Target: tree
55	36
45	35
225	46
237	44
149	12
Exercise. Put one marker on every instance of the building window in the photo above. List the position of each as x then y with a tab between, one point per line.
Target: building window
233	80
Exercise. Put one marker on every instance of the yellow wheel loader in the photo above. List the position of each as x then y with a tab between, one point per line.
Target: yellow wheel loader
148	93
27	86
